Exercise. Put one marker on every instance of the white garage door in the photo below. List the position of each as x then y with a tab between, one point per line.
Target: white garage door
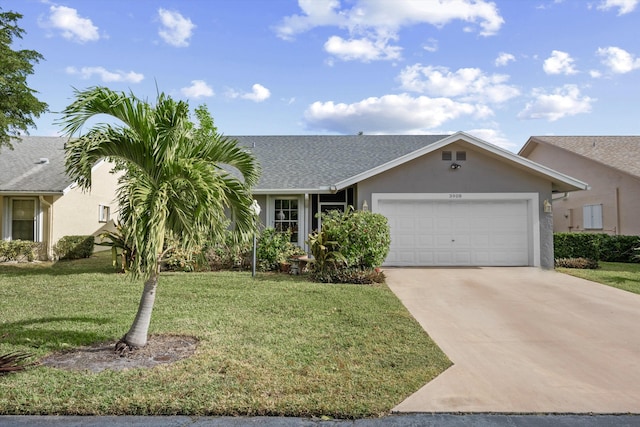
457	233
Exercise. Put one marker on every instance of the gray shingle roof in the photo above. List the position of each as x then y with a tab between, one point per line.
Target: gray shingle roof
22	170
313	162
619	152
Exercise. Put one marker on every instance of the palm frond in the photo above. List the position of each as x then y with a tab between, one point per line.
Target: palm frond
14	362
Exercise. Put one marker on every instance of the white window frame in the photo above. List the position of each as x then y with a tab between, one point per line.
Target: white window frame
592	217
7	225
104	213
271	214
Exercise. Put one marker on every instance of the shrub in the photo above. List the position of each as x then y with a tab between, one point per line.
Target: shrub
618	248
601	247
227	254
74	247
326	256
582	263
18	250
119	240
363	237
349	275
273	248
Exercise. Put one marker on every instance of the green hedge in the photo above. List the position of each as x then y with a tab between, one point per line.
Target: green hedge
18	250
75	247
599	247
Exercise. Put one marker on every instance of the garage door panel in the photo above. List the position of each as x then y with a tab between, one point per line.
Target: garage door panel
449	233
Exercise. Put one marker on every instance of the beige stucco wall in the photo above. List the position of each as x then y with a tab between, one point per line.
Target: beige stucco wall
76	213
480	173
617	191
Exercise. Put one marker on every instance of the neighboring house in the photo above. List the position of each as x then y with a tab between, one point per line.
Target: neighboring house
451	200
611	166
39	202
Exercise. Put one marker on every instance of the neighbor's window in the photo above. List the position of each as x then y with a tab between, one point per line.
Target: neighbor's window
23	219
446	155
104	213
286	217
461	155
592	217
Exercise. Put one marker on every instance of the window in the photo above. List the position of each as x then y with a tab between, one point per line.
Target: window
592	217
23	219
104	213
286	217
446	155
461	155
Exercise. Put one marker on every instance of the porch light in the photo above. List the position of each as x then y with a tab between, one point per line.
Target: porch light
365	206
547	207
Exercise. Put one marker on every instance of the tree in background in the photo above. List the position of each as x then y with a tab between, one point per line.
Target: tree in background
18	103
174	182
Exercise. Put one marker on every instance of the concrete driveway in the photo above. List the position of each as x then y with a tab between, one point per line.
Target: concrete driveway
524	340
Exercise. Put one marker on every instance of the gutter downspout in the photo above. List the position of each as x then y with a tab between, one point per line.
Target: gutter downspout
49	243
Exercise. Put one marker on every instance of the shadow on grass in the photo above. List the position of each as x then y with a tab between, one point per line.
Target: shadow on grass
93	265
619	280
53	333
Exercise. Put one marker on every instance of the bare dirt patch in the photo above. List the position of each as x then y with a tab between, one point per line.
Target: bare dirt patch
160	349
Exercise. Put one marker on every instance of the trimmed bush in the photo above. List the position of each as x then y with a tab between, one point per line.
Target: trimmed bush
362	236
600	247
18	250
74	247
618	248
582	263
355	276
576	245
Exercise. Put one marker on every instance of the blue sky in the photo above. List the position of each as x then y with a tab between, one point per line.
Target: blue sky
502	70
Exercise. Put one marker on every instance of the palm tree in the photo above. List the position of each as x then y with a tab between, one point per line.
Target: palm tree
174	182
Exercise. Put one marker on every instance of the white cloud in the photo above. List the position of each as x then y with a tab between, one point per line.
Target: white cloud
562	102
503	59
365	50
431	45
198	89
371	24
258	93
176	30
559	63
469	84
73	26
106	75
494	137
389	114
618	60
624	6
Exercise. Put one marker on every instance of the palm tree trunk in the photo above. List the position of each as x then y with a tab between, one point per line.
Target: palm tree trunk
138	333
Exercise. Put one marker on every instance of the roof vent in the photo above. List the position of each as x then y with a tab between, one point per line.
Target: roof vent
43	161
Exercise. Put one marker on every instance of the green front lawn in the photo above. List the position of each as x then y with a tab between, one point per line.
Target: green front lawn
620	275
273	345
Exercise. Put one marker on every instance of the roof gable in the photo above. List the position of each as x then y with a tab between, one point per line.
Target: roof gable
35	165
298	164
618	152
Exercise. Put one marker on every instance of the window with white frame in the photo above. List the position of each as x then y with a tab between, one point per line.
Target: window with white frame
286	217
592	217
104	213
23	219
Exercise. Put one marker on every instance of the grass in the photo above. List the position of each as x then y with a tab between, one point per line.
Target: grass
273	345
625	276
